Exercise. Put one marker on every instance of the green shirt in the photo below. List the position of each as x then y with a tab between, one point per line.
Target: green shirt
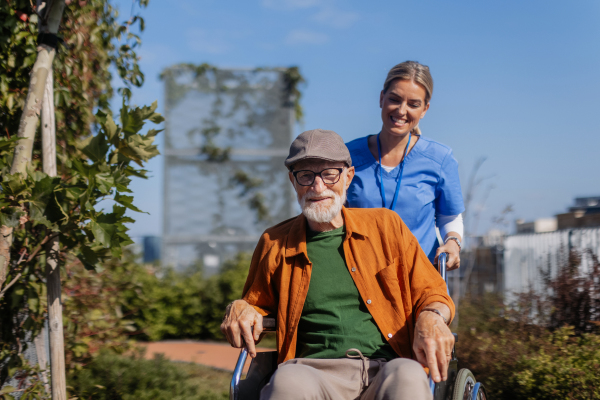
335	318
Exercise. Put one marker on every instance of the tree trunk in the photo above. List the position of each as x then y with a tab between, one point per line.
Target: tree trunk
40	82
5	243
24	149
31	111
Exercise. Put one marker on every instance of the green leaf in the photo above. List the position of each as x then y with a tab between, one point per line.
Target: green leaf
42	194
154	132
104	229
101	116
82	168
111	129
133	120
73	192
95	147
14	185
105	182
127	201
10	216
33	301
88	258
7	389
156	118
140	148
119	211
139	173
121	181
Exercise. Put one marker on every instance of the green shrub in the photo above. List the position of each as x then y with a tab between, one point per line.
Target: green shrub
113	377
185	304
569	370
544	345
517	359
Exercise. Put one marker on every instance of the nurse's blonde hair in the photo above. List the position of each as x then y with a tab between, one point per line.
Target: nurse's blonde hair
411	71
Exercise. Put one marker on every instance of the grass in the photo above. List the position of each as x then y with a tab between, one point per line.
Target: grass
212	383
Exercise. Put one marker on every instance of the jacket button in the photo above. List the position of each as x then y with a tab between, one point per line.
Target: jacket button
353	269
369	301
390	335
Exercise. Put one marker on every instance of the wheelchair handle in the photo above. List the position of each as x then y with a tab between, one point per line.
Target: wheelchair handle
269	325
442	268
234	386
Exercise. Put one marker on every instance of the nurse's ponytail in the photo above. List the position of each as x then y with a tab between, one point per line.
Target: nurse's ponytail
411	71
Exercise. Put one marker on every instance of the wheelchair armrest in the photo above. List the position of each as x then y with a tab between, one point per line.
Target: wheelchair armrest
269	324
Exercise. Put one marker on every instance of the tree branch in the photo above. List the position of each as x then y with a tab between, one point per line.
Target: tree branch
9	285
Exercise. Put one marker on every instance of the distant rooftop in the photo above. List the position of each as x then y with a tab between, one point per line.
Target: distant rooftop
585	213
586	205
593	201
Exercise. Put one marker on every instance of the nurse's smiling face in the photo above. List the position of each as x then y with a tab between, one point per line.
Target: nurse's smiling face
402	107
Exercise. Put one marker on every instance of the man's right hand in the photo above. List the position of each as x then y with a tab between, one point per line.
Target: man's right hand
240	319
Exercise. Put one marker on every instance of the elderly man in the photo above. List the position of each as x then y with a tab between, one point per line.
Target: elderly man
355	297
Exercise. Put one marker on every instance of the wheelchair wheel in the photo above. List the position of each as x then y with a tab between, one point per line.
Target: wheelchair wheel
463	385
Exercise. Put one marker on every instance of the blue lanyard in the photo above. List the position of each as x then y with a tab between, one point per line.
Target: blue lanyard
399	178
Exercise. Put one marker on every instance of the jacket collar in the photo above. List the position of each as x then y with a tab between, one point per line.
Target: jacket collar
296	242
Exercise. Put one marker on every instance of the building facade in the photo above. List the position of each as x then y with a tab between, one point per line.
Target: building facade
227	133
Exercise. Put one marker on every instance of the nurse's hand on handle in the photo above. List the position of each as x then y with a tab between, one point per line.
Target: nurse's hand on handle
453	250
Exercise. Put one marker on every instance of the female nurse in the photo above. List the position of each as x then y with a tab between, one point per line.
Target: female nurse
402	170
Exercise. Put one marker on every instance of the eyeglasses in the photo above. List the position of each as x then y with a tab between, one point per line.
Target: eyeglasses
329	176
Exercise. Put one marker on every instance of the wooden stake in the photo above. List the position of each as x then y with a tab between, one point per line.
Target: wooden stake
40	350
56	337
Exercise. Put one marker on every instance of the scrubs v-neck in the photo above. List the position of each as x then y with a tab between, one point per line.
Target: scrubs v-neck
430	185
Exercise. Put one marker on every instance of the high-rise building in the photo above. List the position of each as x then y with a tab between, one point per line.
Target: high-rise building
227	133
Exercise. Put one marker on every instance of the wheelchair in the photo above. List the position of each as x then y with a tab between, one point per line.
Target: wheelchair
460	385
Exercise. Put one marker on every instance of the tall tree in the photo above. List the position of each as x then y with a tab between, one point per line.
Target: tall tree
96	157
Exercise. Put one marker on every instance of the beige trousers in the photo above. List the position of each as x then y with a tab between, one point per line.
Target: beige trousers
356	377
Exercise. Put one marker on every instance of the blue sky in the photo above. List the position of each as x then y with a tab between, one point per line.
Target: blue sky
515	81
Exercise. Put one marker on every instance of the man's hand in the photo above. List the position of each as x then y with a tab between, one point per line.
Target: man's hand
453	261
433	341
242	324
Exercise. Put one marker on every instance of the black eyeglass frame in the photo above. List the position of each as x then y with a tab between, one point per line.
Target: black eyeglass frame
315	174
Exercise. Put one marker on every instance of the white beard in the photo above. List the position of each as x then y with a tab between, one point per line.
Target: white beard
321	213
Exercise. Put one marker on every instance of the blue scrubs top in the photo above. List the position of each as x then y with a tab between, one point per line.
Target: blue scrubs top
430	185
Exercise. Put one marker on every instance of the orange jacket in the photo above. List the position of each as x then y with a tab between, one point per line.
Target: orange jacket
393	276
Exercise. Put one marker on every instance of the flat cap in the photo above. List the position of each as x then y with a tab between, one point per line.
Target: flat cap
321	144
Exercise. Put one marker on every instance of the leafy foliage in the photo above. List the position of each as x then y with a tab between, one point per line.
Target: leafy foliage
41	207
293	79
124	299
94	42
187	305
543	346
114	377
29	384
97	157
575	296
95	311
519	360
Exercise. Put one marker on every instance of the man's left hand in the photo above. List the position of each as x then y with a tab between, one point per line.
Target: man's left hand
434	341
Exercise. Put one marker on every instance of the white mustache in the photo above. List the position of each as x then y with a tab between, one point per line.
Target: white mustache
327	194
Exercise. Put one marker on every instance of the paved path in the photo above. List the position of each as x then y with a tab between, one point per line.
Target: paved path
218	355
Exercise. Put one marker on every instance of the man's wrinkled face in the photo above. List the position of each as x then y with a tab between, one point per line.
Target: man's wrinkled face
321	201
